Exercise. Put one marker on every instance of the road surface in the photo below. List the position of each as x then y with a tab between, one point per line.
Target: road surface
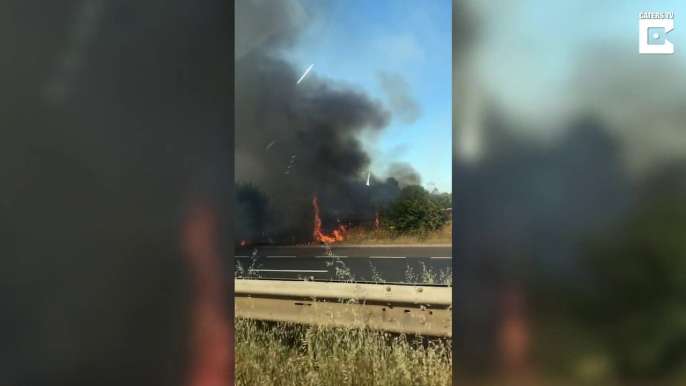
399	264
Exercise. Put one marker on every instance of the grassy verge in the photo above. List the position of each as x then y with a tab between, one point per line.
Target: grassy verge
288	354
282	354
443	235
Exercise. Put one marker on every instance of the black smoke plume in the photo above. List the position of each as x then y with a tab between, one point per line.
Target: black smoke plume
525	200
404	174
113	122
296	140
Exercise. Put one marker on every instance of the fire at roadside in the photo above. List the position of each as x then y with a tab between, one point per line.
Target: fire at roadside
304	141
338	234
331	229
408	211
299	137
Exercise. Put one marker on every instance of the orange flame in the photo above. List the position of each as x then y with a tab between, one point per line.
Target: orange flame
515	337
338	235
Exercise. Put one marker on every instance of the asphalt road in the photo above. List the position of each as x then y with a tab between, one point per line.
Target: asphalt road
399	264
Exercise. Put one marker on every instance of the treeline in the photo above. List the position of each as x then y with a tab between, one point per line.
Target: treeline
414	210
627	320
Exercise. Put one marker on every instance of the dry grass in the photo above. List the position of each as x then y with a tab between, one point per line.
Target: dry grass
385	236
281	354
288	354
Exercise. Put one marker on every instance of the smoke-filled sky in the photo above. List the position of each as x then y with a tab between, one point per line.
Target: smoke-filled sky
395	55
548	62
557	120
558	124
114	122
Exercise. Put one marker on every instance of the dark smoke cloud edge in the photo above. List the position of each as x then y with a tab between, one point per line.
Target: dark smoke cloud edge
297	140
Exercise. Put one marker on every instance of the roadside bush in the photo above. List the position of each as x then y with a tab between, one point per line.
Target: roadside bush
444	200
415	210
631	306
637	301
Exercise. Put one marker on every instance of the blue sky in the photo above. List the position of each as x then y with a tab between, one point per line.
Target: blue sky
355	39
530	52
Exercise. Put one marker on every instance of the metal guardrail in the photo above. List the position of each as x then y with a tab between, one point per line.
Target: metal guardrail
392	283
401	309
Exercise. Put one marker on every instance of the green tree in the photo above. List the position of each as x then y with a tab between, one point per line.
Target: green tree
415	210
444	200
635	299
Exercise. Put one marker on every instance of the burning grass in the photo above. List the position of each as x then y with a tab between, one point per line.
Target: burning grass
289	354
379	234
443	235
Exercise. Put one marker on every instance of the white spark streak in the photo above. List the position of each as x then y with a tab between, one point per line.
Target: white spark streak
306	71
